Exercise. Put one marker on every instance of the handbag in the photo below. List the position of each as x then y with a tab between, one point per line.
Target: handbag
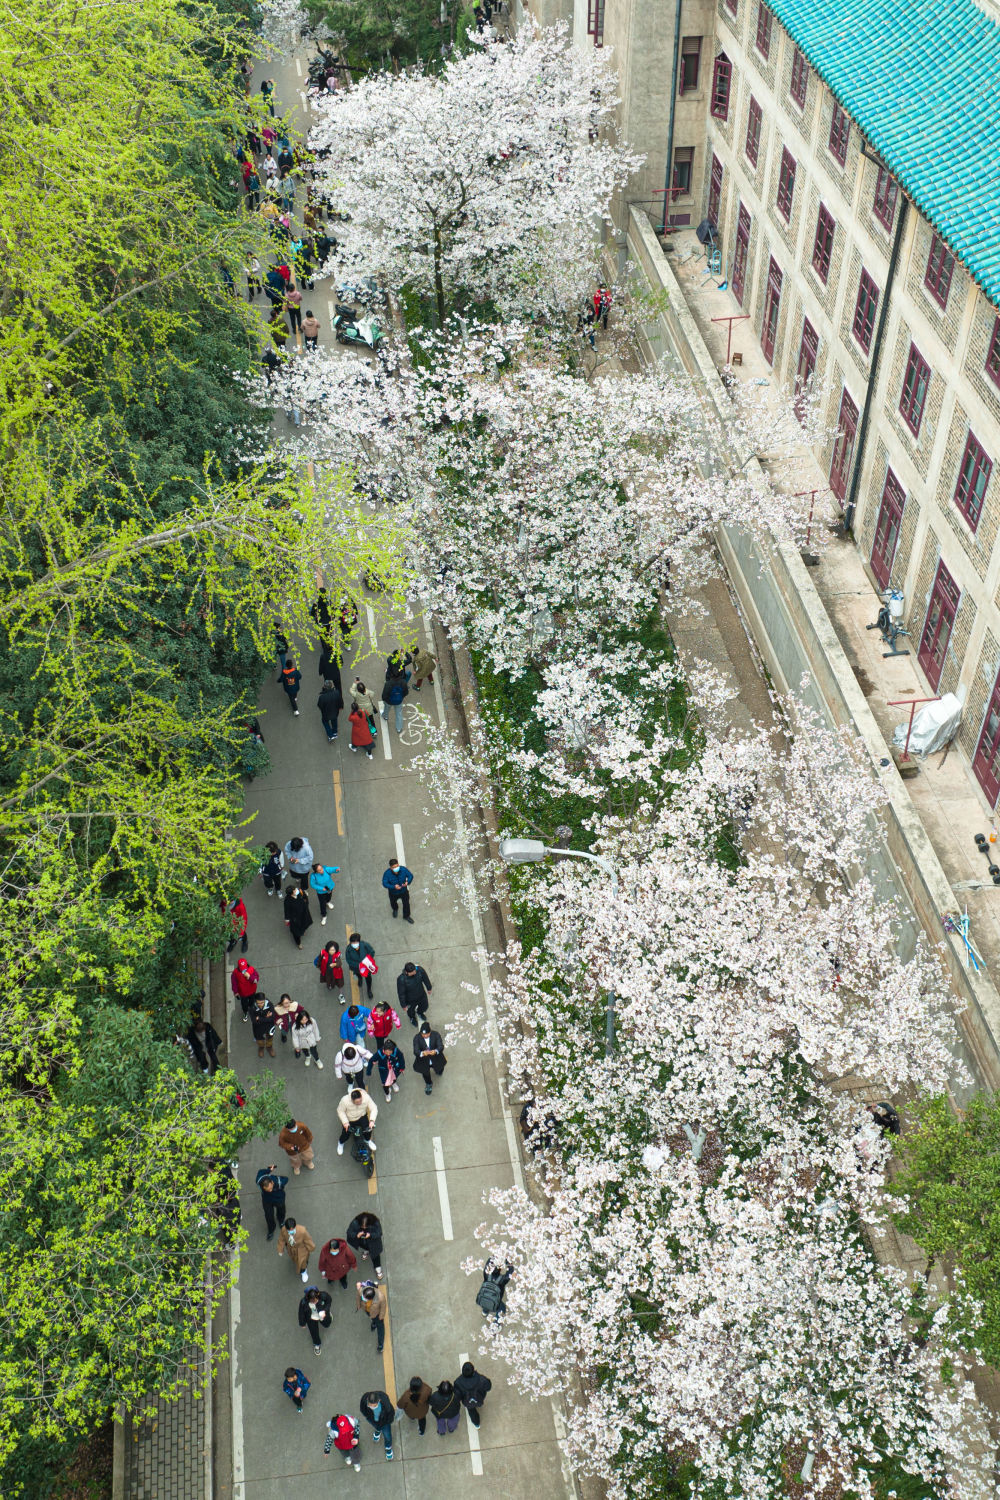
367	967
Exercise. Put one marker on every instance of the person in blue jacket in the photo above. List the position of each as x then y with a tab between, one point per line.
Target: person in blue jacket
322	882
397	881
354	1024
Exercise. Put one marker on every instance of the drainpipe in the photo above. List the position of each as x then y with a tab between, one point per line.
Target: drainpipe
668	183
883	318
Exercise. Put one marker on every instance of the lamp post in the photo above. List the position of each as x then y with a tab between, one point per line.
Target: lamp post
532	852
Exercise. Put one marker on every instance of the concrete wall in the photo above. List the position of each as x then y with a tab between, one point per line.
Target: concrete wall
795	636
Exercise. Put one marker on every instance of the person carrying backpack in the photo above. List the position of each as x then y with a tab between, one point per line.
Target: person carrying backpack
291	679
394	690
489	1298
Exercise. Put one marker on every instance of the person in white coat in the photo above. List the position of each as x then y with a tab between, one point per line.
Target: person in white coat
306	1038
350	1064
300	857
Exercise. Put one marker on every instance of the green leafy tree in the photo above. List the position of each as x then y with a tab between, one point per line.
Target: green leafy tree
405	31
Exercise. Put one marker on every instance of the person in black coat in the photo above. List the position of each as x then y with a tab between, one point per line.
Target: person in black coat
364	1235
428	1054
471	1389
446	1406
263	1021
272	1196
412	988
329	703
329	668
298	917
314	1313
205	1043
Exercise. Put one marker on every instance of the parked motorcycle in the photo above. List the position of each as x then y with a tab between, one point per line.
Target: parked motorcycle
361	1149
348	328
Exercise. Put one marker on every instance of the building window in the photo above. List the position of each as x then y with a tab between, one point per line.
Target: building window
595	21
915	382
886	197
690	59
739	279
732	6
772	307
753	132
987	759
993	354
808	350
765	20
683	163
823	244
864	311
786	185
800	79
840	131
938	625
890	519
940	265
715	191
973	477
722	77
843	448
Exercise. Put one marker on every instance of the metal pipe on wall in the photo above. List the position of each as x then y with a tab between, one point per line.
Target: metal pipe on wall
668	183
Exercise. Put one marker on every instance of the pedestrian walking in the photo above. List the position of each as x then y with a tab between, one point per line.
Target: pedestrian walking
296	1141
280	647
397	880
362	698
287	1011
356	1109
344	1434
415	1402
412	988
300	857
321	881
391	1066
272	868
428	1055
329	703
364	1232
350	1064
382	1020
267	94
489	1298
306	1038
314	1314
253	273
296	1239
298	917
322	614
354	1024
286	196
423	667
204	1042
361	961
329	667
310	329
394	690
330	963
291	677
361	734
263	1022
471	1388
602	306
296	1387
446	1406
373	1302
272	1197
377	1409
244	981
336	1261
293	302
238	916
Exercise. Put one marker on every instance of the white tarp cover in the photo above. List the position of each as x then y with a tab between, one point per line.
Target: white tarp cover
933	726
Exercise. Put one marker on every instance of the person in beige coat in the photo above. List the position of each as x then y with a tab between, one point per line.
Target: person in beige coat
296	1239
357	1106
372	1299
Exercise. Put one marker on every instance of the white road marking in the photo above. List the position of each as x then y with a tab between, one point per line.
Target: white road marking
442	1183
397	829
332	309
298	66
305	102
438	695
383	734
474	1450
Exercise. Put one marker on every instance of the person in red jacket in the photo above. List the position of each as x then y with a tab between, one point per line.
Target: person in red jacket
343	1433
331	968
602	306
244	981
381	1021
239	915
336	1259
361	736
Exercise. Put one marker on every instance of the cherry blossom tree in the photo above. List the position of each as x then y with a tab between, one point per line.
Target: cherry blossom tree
484	180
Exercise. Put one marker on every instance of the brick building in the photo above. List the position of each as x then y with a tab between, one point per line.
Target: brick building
849	154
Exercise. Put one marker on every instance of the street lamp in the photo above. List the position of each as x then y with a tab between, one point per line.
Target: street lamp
532	852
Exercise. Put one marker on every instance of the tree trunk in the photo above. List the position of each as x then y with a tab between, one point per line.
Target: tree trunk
438	278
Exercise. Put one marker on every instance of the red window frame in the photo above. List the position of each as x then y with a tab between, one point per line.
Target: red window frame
786	184
595	21
823	243
887	527
913	396
940	269
843	448
840	134
754	122
973	477
865	310
715	190
722	77
938	625
732	6
740	254
986	761
806	368
690	64
886	198
765	23
993	354
772	310
800	79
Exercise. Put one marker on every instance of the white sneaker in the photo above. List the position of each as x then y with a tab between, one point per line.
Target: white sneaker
349	1461
322	921
318	1349
318	1063
295	712
373	1145
340	1149
308	1061
395	1088
357	1467
304	1275
388	1096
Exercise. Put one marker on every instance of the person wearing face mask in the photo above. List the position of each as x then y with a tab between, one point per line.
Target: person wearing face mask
350	1064
354	1024
361	961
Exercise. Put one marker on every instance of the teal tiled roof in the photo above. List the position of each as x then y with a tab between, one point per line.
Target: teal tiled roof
921	79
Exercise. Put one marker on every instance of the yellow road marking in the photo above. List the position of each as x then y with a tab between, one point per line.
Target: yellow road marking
338	802
373	1184
388	1373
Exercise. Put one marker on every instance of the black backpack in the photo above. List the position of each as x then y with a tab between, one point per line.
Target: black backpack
489	1297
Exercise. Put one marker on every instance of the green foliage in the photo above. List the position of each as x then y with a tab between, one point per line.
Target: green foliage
404	31
950	1173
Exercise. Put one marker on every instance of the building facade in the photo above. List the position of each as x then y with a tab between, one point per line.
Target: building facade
850	159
